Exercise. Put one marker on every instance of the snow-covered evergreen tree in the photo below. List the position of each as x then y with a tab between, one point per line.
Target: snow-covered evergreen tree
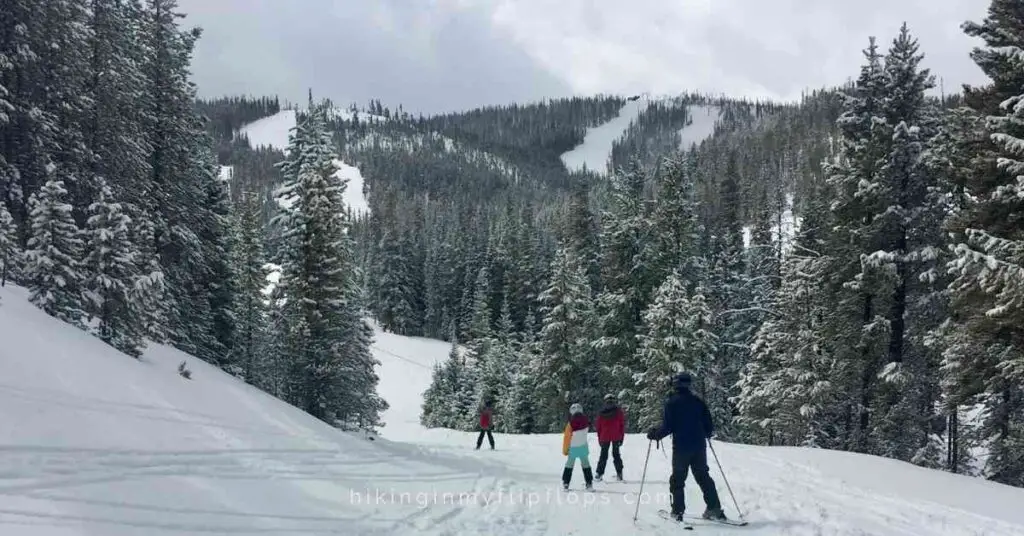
53	267
985	358
567	366
677	337
791	391
331	366
250	269
10	252
150	286
519	411
111	271
626	258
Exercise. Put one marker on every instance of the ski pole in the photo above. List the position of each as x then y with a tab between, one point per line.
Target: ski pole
712	445
642	479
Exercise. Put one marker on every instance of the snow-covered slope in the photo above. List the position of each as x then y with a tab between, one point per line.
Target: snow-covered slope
596	150
702	125
95	443
273	132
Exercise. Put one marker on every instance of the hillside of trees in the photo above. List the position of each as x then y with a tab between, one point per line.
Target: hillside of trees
114	217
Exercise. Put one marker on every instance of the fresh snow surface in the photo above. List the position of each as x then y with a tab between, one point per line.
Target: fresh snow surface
703	120
96	443
226	172
595	152
273	132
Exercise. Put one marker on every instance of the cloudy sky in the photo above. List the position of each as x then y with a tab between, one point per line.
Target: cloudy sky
442	55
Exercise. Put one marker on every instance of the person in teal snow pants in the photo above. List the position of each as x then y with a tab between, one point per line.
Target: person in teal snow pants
574	445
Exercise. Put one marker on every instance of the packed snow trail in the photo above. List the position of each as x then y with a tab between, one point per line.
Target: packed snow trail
595	152
703	120
781	490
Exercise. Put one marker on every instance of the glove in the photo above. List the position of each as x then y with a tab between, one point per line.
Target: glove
650	434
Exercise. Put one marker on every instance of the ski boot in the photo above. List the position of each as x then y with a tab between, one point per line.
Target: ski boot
618	476
589	478
598	477
566	477
714	514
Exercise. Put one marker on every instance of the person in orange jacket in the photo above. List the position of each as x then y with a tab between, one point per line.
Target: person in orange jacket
575	446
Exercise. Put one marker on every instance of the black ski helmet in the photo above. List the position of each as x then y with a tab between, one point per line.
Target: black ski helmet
682	380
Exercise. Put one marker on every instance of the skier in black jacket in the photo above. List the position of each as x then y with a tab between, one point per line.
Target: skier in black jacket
687	419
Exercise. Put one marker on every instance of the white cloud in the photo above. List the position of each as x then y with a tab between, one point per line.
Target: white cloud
455	54
772	49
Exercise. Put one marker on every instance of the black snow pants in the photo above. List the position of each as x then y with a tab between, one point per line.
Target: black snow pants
682	463
480	438
602	460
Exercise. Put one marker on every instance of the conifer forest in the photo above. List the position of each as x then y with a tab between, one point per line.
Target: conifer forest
843	272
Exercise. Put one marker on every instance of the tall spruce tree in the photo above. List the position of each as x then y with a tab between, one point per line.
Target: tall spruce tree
10	250
985	358
332	368
251	274
111	272
567	367
53	265
677	337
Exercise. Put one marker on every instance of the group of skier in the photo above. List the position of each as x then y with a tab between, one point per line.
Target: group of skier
684	416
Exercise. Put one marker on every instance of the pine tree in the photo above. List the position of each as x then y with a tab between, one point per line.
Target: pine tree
675	224
985	358
10	252
861	329
53	270
728	293
567	367
111	272
626	275
150	288
677	337
251	273
791	391
328	342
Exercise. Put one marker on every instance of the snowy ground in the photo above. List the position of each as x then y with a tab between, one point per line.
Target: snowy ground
95	443
596	150
273	132
703	120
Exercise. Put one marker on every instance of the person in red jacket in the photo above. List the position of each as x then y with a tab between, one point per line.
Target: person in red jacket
611	431
486	424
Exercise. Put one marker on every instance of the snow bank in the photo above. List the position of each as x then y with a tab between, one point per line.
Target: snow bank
93	442
596	150
273	132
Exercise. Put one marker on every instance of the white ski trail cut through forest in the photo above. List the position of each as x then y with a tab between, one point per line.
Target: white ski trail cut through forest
595	151
96	443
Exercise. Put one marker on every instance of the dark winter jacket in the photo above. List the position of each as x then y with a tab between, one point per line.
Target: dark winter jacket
687	418
610	424
485	417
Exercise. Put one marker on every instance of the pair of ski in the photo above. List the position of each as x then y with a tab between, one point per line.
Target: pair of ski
687	525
